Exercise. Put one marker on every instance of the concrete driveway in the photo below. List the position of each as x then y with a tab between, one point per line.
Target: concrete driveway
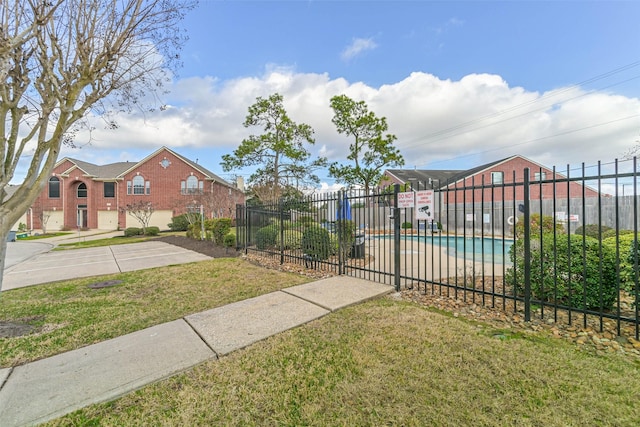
18	252
31	263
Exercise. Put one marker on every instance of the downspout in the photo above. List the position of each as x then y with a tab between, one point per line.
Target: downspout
117	205
64	203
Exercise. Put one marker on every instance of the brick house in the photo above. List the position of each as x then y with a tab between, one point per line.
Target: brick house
456	184
84	195
494	192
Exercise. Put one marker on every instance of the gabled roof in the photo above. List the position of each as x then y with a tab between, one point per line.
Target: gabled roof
479	169
448	177
118	170
104	172
422	179
207	173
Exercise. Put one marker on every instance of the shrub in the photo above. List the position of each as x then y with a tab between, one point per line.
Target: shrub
406	225
612	233
592	230
179	223
267	236
132	231
194	231
229	240
316	242
346	233
567	280
626	244
306	220
219	229
151	231
547	225
292	239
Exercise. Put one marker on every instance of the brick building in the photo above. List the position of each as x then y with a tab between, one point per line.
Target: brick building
456	185
84	195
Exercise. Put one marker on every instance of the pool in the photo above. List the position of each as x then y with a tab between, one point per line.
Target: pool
495	250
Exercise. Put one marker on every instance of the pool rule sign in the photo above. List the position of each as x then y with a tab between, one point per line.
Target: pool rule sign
424	205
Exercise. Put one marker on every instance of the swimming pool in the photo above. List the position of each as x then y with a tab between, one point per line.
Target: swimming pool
495	250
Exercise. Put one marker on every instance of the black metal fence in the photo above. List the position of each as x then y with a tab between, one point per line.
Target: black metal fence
548	244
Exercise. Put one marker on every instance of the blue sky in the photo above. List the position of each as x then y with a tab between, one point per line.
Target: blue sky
460	83
536	44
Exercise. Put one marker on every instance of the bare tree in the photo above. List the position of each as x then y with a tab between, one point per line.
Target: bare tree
44	219
141	211
63	59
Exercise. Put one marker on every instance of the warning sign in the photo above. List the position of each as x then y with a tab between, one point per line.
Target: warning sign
424	205
406	200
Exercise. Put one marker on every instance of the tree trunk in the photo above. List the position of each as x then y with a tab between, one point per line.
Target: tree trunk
5	227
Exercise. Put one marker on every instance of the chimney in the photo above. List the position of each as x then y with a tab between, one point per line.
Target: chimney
240	183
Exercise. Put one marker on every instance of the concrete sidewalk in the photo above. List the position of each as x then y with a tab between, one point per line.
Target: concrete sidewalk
52	387
64	265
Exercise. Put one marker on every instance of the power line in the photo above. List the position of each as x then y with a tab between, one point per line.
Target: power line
469	123
539	139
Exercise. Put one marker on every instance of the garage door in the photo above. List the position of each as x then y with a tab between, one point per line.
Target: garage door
107	220
159	219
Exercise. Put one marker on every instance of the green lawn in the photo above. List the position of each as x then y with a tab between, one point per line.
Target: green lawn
68	315
388	363
384	362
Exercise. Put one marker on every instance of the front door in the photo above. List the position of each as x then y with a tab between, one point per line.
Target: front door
82	216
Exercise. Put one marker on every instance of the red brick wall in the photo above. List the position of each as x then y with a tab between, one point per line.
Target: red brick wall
513	172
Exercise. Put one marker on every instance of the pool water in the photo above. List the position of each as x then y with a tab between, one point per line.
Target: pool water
495	250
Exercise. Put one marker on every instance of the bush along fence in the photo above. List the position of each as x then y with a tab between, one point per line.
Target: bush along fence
543	243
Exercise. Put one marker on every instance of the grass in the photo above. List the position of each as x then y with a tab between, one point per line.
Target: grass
44	236
68	315
388	363
384	362
119	240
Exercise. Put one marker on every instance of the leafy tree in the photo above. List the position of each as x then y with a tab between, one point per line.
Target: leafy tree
62	59
371	151
283	160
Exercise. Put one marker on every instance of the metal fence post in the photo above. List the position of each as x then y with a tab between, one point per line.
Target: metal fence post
281	212
396	238
338	228
527	249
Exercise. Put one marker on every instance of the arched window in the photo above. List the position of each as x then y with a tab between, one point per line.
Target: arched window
191	185
54	187
138	185
82	190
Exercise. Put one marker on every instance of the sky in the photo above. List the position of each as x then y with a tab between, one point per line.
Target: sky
461	83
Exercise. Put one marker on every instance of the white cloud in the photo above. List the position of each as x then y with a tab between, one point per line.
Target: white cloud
356	47
440	124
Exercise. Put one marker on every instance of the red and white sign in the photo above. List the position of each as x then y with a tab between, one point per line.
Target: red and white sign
406	200
424	205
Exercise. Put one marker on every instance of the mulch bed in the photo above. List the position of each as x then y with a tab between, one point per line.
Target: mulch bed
204	247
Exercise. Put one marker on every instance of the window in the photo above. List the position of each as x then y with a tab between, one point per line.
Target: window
54	187
138	186
191	186
539	176
82	190
109	189
497	177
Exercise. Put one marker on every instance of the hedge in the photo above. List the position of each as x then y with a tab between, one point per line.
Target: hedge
558	273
